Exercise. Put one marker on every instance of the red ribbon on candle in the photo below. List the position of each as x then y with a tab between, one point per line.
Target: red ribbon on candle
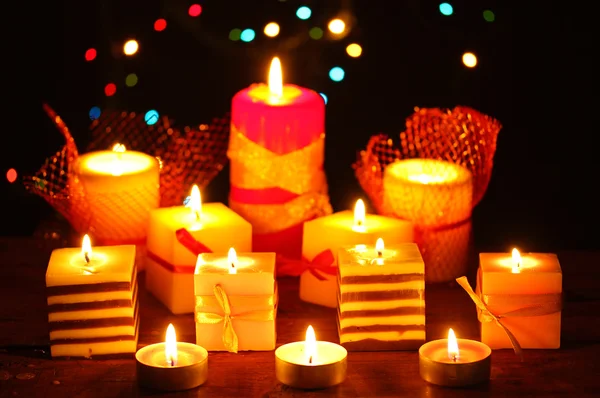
322	263
187	240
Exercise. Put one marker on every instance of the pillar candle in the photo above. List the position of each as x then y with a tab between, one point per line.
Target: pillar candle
175	238
508	282
345	228
276	151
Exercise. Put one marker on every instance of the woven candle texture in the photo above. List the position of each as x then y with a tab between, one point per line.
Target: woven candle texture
187	156
460	144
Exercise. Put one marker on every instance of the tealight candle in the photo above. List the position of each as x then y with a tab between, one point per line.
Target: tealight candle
311	364
172	365
455	362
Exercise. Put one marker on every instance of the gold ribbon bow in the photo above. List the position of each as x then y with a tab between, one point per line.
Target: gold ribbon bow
230	338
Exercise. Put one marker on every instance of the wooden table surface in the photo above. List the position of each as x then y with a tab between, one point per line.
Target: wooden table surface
27	371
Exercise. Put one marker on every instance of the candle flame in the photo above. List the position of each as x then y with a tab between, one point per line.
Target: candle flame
516	257
86	248
276	78
171	346
379	247
196	202
119	148
310	345
452	345
232	260
359	213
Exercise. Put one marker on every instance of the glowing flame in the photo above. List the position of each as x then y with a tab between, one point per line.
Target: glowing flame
86	248
379	247
196	201
232	261
119	148
516	257
452	345
359	213
276	78
310	345
171	346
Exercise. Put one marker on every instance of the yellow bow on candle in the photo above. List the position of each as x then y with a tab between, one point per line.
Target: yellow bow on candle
230	338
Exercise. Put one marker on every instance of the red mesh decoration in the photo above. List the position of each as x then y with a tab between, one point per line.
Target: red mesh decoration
460	145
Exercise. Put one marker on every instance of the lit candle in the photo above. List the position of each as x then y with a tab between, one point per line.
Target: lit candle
277	151
172	365
525	290
437	196
236	301
92	301
172	247
381	297
344	228
311	364
455	362
120	187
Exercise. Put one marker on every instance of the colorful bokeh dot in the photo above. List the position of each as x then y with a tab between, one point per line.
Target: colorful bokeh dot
131	80
446	9
235	34
324	97
337	74
160	25
90	54
303	13
469	59
95	113
110	89
11	175
315	33
247	35
195	10
489	16
271	29
151	117
354	50
131	47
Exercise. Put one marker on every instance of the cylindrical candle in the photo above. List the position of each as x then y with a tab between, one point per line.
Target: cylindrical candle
276	151
120	188
437	196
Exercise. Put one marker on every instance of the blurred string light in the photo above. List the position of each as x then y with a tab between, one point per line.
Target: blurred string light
11	175
151	117
271	29
489	16
324	97
131	80
315	33
446	9
247	35
354	50
110	89
160	25
337	74
95	113
130	47
234	34
90	54
303	13
469	59
195	10
336	26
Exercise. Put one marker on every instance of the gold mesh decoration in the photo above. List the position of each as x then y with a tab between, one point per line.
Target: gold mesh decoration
433	174
193	155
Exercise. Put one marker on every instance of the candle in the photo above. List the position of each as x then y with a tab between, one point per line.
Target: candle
525	290
277	151
455	362
172	365
175	238
311	364
120	188
438	197
92	301
236	301
344	228
381	297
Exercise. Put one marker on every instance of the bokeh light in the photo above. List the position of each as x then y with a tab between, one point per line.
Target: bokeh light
303	13
195	10
110	89
160	25
272	29
235	34
11	175
354	50
337	74
247	35
324	97
469	59
315	33
131	80
489	16
95	113
336	26
446	9
151	117
90	54
130	47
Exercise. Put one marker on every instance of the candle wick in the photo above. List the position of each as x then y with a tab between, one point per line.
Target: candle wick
310	359
197	215
359	223
379	253
87	257
454	357
232	265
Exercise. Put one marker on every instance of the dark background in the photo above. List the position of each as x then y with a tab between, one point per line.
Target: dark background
535	75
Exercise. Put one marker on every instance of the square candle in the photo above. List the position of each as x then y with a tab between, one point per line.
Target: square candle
341	229
381	297
247	282
211	227
507	282
92	305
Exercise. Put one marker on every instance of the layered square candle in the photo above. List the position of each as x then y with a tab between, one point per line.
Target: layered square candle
526	291
92	301
381	297
329	234
236	301
177	235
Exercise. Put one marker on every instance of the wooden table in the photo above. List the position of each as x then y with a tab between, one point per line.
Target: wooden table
27	371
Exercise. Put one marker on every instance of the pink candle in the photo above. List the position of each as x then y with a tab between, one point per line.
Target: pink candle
276	152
